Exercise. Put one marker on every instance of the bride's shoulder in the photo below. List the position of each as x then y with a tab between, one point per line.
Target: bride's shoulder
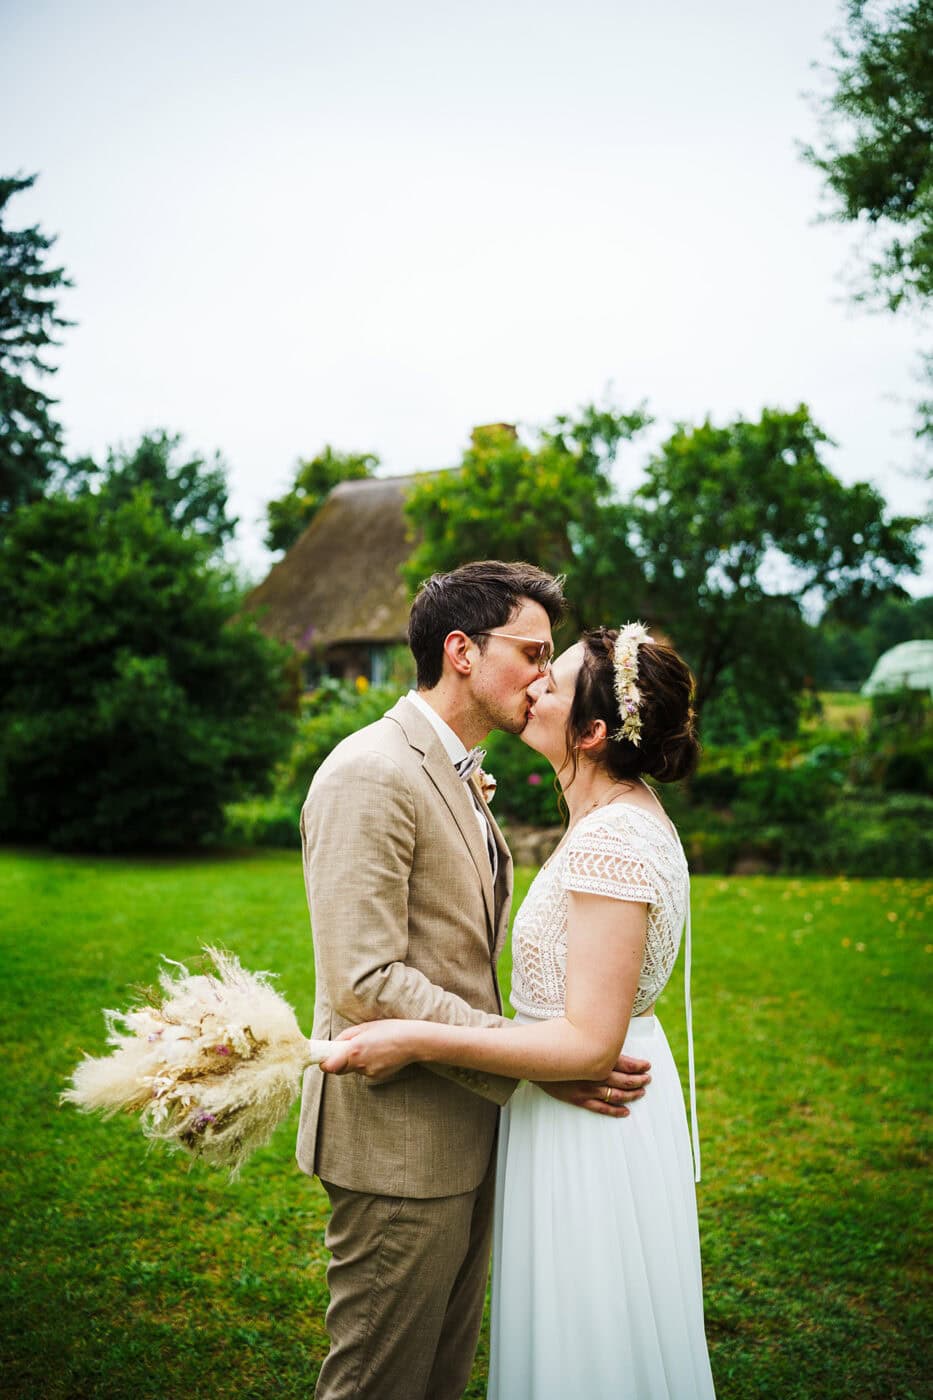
634	822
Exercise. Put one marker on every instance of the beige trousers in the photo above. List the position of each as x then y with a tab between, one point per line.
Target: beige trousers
407	1282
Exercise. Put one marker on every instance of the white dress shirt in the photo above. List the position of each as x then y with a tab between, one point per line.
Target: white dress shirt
455	749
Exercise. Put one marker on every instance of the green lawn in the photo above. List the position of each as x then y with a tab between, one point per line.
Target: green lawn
842	711
126	1275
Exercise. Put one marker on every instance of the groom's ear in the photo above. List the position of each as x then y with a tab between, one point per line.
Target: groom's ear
457	649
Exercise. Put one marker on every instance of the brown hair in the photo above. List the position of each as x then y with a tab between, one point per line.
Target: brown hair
473	599
669	747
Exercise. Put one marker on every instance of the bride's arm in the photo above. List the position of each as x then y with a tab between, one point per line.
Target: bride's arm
605	948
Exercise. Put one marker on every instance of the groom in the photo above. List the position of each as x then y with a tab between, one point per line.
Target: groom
409	883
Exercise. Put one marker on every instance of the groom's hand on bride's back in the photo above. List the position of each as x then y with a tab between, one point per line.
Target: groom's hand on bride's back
624	1085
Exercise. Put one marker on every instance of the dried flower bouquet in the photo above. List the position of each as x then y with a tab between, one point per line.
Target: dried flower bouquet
213	1066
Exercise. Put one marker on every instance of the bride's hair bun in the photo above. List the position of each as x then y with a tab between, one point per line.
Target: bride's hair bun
669	747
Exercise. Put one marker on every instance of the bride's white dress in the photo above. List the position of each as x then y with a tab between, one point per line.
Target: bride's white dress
597	1290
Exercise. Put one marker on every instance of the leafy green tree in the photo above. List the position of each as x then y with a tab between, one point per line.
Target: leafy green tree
30	437
188	491
737	530
876	152
552	502
133	702
315	478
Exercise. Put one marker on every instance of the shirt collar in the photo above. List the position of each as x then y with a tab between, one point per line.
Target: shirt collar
453	746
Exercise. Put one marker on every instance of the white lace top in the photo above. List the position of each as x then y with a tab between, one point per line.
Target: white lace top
626	853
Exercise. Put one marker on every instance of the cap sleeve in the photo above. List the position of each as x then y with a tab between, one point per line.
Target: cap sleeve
609	860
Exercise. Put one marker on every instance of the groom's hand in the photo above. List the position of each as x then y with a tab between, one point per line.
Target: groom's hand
624	1085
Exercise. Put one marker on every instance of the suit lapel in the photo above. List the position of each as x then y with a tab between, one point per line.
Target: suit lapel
453	790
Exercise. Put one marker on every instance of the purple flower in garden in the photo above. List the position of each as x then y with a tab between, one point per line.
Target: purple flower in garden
222	1049
534	779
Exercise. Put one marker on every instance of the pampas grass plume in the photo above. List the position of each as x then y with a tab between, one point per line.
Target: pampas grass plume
213	1067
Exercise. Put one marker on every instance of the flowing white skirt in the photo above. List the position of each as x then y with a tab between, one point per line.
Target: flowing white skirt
596	1284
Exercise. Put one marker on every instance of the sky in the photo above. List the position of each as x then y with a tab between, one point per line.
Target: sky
377	224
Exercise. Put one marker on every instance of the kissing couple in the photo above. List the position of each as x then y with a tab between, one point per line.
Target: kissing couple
444	1130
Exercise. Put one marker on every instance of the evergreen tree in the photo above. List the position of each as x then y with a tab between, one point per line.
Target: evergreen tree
30	437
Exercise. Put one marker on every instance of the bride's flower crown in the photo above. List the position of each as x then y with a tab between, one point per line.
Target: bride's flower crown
625	663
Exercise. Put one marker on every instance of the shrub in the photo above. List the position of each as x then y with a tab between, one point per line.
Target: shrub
711	848
132	705
331	713
886	836
900	711
910	767
717	787
782	796
525	782
263	821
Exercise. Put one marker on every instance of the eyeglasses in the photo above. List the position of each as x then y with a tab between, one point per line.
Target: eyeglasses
544	655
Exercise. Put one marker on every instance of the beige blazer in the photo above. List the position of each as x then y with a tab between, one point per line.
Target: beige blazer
406	922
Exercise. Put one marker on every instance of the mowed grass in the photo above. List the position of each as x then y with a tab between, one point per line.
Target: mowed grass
126	1274
841	711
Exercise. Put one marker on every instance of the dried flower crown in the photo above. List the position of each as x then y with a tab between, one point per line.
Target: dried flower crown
625	663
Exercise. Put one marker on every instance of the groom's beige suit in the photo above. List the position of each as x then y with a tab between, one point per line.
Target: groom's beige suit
407	921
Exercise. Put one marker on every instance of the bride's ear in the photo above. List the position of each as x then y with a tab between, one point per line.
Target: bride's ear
593	738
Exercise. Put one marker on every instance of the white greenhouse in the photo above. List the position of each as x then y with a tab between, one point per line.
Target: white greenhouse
908	666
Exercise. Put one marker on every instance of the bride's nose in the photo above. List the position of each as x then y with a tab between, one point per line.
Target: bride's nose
537	688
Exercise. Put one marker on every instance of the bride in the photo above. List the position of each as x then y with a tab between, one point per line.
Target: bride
597	1288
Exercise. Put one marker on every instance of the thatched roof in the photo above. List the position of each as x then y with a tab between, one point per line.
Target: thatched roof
340	580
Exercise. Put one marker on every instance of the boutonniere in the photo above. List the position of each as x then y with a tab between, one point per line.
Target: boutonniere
487	784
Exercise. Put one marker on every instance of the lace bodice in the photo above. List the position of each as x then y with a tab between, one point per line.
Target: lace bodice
620	851
626	853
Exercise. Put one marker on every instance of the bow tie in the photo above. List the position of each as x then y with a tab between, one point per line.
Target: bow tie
468	765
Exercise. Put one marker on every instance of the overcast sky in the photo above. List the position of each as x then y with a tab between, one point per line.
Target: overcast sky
379	223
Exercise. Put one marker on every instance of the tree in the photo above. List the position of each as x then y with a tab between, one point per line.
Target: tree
738	529
877	141
190	493
30	438
133	704
315	478
552	502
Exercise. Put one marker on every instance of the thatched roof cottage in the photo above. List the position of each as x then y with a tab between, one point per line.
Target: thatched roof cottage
338	596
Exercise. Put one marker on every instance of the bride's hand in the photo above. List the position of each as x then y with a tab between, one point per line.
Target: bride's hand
375	1049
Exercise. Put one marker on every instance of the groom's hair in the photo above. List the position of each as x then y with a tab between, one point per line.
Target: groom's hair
474	599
